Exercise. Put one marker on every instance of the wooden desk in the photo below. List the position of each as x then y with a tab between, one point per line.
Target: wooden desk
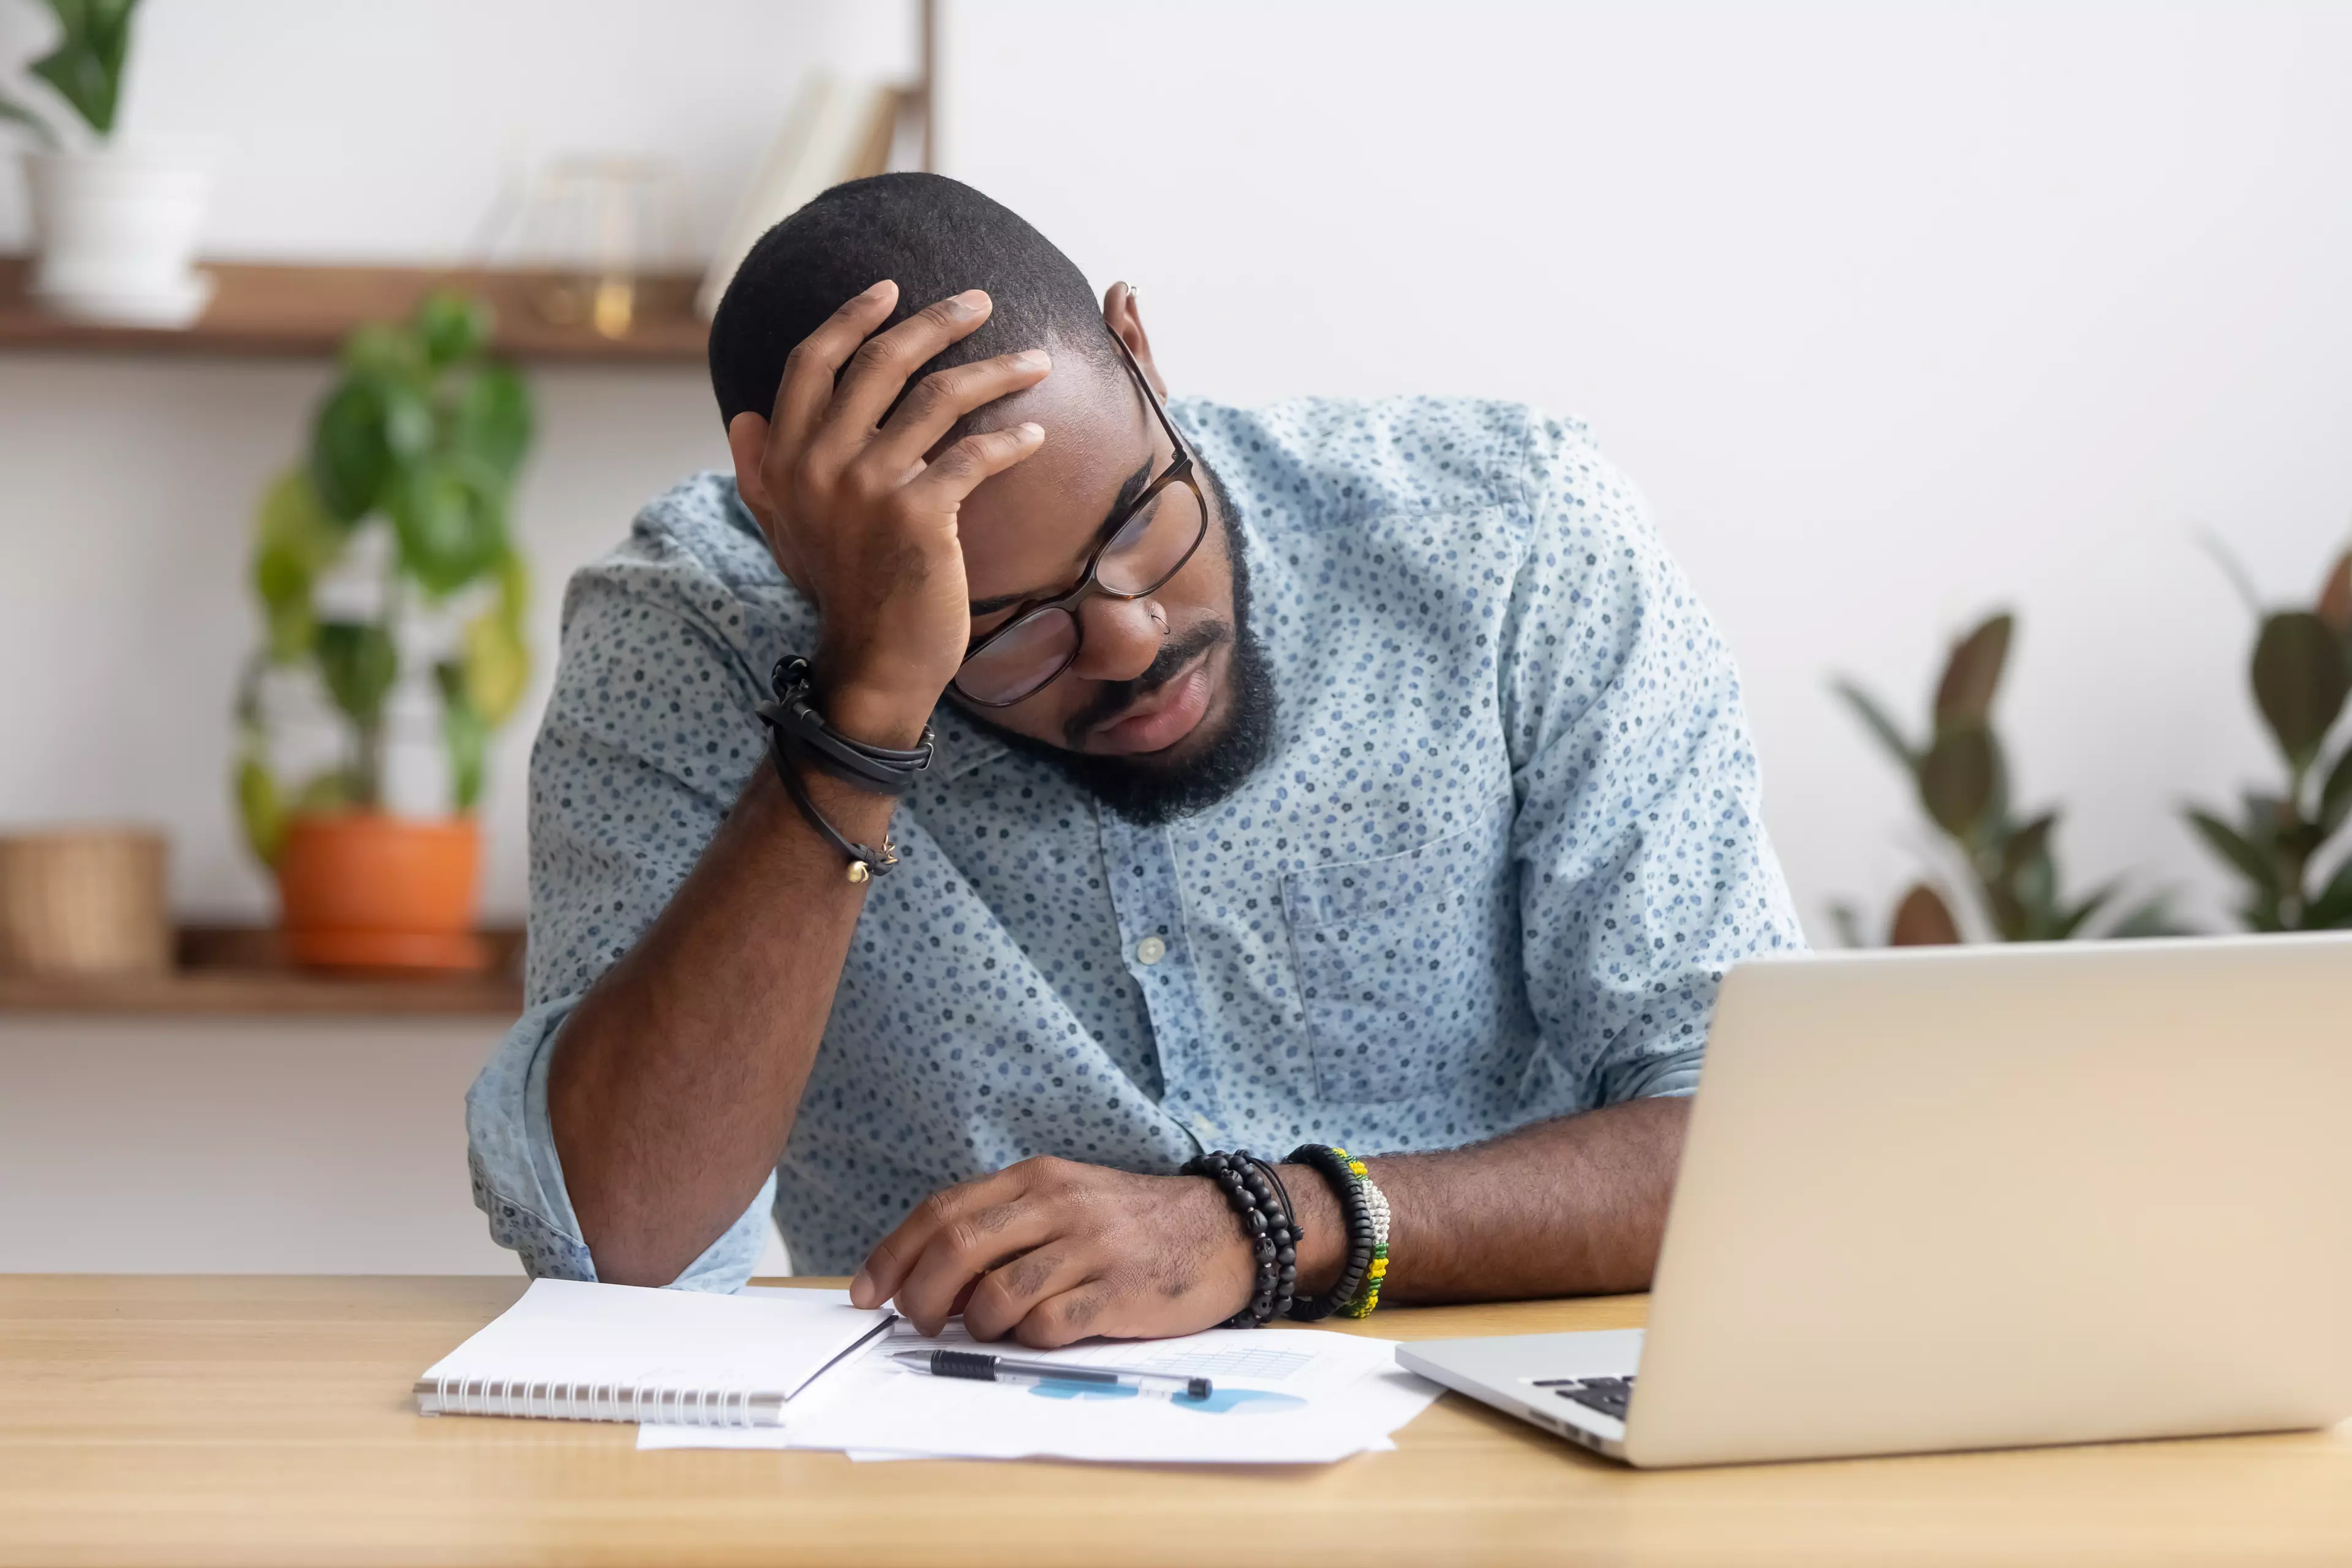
166	1420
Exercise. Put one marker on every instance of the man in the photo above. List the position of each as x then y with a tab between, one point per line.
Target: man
1361	774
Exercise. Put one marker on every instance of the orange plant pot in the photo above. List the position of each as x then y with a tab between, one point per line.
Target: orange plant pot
365	890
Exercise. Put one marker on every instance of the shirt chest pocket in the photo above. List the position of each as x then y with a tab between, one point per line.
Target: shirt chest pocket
1408	964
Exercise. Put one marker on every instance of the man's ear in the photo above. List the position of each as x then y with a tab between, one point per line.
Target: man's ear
747	440
1120	314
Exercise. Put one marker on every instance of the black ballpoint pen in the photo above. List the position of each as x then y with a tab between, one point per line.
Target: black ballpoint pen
981	1367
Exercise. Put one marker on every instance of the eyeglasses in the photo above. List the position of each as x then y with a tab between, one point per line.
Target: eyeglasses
1148	544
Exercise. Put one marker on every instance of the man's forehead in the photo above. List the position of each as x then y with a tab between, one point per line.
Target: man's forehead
1082	399
1043	513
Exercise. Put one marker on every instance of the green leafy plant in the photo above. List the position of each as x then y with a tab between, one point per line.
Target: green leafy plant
2302	674
85	68
421	437
1961	775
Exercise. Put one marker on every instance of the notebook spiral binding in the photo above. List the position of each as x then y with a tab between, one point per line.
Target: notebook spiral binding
598	1402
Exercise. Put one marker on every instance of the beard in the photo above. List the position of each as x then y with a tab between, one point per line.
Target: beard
1145	789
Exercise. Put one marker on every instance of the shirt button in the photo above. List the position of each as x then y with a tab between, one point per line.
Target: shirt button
1150	949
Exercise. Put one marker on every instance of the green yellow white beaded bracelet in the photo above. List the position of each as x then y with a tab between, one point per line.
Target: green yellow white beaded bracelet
1367	1300
1366	1240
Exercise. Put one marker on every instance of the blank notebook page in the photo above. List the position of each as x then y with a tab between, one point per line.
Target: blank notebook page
565	1332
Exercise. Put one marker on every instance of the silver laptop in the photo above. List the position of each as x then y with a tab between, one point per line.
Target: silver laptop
1986	1198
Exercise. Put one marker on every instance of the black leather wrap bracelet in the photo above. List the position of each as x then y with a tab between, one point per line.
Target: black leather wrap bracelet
799	733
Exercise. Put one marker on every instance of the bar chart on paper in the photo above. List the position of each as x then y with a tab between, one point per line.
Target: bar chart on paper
1277	1398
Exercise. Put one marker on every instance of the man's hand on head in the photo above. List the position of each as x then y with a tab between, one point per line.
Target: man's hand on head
1051	1251
860	517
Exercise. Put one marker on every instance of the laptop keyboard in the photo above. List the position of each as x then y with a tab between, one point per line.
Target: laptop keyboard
1609	1395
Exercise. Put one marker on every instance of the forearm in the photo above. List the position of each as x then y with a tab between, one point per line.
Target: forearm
675	1082
1569	1207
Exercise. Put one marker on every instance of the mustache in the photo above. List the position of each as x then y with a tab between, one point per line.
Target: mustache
1118	696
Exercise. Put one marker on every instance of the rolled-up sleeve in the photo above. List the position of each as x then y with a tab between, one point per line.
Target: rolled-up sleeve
626	789
1644	868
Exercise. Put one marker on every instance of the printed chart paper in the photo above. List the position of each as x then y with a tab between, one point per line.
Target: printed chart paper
1281	1397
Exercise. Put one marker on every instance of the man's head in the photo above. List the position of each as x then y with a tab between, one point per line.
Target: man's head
1168	705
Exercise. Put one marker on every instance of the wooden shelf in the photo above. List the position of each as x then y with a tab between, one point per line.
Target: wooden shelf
242	971
304	312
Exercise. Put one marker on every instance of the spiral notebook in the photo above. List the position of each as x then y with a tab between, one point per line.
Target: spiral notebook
617	1352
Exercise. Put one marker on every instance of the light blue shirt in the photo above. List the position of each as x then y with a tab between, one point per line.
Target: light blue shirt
1504	845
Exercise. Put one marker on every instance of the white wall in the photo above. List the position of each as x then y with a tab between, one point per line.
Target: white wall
276	1145
1897	312
358	130
240	1146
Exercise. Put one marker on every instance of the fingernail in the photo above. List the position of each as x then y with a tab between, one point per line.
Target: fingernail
1032	429
860	1285
1033	359
970	300
879	289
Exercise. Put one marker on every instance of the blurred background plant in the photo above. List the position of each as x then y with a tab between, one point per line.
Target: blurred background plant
420	438
1961	775
2302	674
84	68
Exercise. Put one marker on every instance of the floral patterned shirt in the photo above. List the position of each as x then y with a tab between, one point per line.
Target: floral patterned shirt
1504	847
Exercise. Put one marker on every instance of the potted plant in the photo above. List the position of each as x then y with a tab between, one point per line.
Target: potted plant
401	506
2302	675
115	230
1961	775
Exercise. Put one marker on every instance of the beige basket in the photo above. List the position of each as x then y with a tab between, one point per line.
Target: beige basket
86	901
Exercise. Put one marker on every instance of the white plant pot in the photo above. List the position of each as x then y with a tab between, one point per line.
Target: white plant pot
115	232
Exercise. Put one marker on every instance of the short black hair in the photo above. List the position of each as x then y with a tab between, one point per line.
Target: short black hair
934	237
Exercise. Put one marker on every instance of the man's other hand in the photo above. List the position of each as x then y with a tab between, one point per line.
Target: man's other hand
1051	1251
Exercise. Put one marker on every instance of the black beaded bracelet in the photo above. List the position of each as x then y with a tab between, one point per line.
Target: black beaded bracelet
1255	1195
1355	1219
1285	1250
